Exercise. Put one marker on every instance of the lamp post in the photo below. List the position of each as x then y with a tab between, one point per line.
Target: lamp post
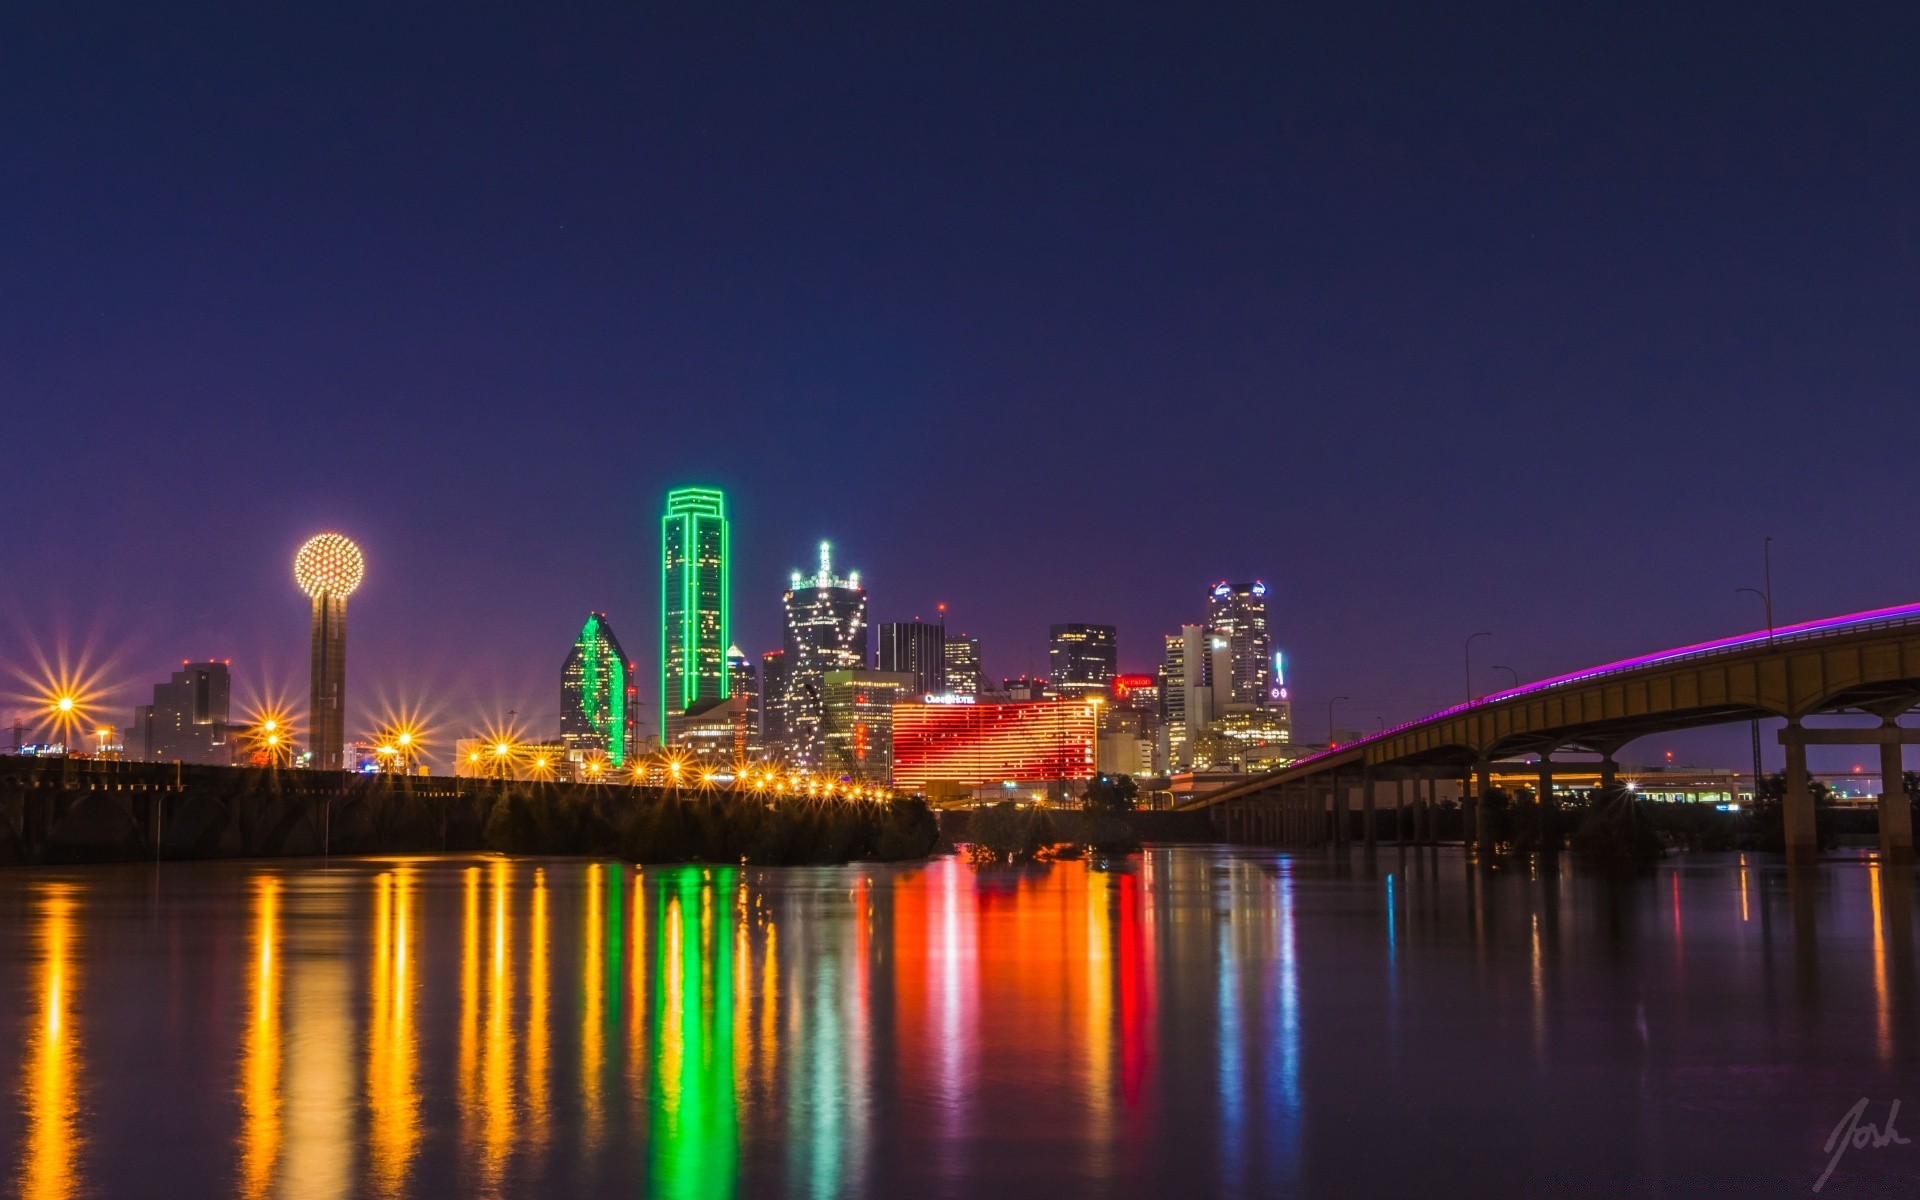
1330	704
1766	598
1467	659
1510	671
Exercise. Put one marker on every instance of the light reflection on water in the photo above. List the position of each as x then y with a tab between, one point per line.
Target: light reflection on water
1195	1021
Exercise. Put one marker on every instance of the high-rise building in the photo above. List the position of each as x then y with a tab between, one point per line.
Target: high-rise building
743	684
825	630
328	568
596	695
773	706
947	749
1186	695
188	719
1237	616
1081	660
857	721
965	677
916	648
695	606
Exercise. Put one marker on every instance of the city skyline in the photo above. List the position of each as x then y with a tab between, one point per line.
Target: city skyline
1338	316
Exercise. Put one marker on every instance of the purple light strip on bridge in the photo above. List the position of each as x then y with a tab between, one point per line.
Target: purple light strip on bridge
1899	614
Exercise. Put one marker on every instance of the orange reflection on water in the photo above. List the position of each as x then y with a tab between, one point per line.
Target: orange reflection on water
260	1056
592	1041
539	1037
50	1158
1097	1033
393	1103
1882	999
496	1067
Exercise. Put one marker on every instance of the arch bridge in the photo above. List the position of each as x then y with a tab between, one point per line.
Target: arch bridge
1865	662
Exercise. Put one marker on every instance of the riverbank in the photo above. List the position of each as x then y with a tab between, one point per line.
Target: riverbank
61	810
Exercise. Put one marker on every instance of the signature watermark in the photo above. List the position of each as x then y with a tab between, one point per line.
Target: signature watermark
1854	1134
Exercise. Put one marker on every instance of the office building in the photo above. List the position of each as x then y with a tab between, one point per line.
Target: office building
695	602
1237	617
743	682
773	706
1081	660
918	649
597	694
857	721
328	568
825	630
965	677
188	719
943	749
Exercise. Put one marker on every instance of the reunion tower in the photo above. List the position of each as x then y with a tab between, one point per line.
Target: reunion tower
328	568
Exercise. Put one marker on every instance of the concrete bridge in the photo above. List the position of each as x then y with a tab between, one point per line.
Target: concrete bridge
1862	663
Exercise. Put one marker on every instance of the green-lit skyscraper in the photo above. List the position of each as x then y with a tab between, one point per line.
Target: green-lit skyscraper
696	622
597	694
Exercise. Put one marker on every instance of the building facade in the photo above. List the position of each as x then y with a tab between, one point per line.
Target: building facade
597	694
695	602
188	719
915	648
773	705
1237	617
857	721
961	655
1081	660
825	629
743	684
962	746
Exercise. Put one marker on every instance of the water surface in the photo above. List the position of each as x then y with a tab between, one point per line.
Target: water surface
1192	1022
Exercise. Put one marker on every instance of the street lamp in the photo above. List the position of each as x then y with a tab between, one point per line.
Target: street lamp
1766	598
1467	659
1330	704
1510	671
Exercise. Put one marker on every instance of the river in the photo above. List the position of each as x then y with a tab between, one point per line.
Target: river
1194	1021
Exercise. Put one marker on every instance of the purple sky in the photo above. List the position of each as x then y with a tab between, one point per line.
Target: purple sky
1534	321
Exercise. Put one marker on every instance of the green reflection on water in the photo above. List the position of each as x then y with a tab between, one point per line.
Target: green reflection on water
695	1122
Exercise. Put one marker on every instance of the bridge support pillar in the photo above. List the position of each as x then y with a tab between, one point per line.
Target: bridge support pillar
1470	808
1609	772
1896	811
1400	811
1803	845
1483	790
1369	812
1549	807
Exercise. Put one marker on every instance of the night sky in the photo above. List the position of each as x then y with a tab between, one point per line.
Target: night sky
1533	319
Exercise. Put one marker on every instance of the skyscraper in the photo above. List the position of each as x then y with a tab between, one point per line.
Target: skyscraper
596	683
328	567
1081	659
965	676
187	721
773	705
856	724
825	630
743	684
1237	616
918	649
695	608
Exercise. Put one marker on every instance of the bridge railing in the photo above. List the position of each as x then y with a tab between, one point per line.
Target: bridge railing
1901	616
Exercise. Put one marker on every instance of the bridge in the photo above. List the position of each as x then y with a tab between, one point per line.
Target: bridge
1862	663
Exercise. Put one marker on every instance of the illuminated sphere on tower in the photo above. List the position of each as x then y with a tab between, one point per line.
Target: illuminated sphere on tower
328	567
329	564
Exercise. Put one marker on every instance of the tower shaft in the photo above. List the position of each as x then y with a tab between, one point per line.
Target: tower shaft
327	692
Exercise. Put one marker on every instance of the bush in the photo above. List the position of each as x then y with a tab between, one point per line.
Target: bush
1007	831
1618	835
652	827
